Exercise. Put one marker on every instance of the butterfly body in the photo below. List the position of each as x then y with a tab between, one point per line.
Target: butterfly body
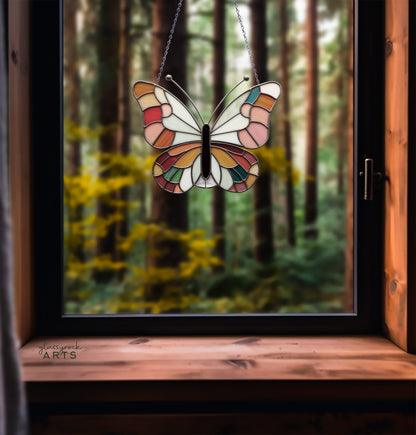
206	151
201	155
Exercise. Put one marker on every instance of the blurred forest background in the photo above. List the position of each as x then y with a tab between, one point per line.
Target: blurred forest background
284	246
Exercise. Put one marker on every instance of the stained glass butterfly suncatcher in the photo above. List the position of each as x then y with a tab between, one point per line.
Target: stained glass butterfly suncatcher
202	155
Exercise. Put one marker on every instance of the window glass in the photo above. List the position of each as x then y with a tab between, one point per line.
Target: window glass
279	247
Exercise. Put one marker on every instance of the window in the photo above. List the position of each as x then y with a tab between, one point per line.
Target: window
73	286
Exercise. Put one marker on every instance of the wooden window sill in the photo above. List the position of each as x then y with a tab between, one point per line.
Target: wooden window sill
172	369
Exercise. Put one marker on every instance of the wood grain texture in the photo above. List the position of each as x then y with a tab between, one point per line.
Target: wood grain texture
411	303
20	165
219	358
396	167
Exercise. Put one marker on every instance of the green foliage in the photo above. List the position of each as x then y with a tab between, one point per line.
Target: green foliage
83	190
308	278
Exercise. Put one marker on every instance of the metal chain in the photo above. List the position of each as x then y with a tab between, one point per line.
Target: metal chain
246	42
172	30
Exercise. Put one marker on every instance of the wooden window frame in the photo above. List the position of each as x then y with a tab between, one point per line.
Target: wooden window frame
399	296
29	83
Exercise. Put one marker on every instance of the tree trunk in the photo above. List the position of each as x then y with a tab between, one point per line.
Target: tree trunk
108	63
349	251
123	134
287	133
263	225
167	208
124	87
311	206
218	211
342	92
340	136
73	91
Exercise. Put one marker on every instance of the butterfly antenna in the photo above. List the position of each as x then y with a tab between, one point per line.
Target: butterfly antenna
245	79
169	78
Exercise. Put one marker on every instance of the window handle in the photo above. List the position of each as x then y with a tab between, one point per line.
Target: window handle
369	178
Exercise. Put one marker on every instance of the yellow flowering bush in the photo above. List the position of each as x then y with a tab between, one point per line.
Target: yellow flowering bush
82	230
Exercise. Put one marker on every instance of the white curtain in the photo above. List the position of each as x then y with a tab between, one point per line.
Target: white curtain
13	419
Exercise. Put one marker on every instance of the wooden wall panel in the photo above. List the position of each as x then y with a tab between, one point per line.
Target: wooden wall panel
396	166
20	164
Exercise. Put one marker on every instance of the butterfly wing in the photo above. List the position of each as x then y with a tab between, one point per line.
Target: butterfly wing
245	122
167	121
178	168
233	168
169	125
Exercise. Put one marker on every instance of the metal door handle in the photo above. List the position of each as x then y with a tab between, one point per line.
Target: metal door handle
369	178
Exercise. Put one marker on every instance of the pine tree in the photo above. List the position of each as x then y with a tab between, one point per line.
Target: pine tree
311	206
124	125
263	224
73	93
284	57
218	212
108	33
167	209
